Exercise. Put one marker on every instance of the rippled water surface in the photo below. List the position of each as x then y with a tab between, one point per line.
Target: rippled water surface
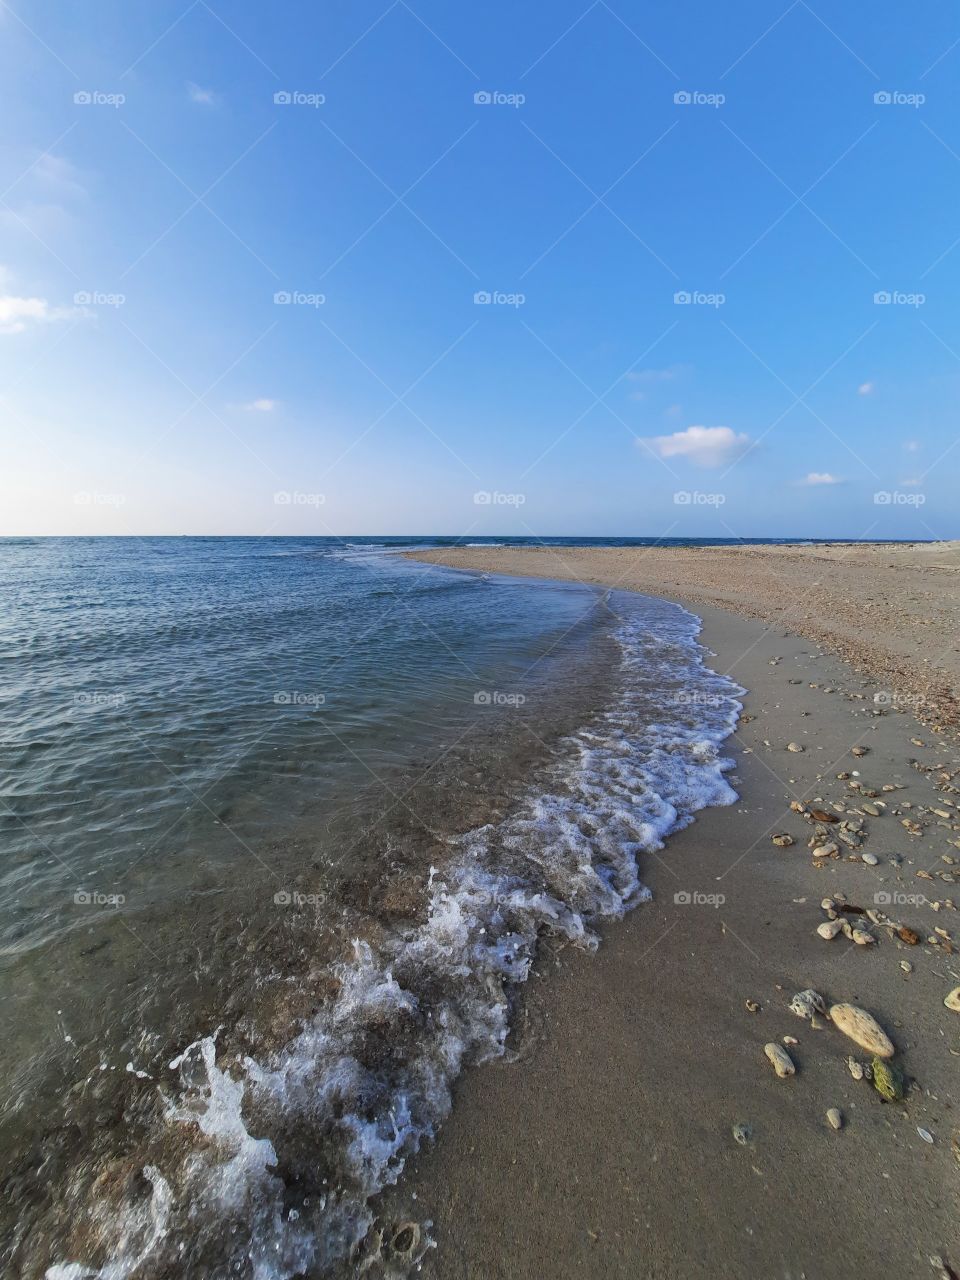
283	820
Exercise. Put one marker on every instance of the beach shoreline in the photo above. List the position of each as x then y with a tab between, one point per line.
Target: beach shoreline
609	1148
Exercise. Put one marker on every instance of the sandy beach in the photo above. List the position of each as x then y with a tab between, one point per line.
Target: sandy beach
639	1129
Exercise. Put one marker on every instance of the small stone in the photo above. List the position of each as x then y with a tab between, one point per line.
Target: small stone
781	1061
794	746
887	1080
870	859
827	904
783	840
907	935
872	809
925	1134
807	1003
797	807
822	815
859	751
752	1006
907	967
855	1068
862	938
834	1118
790	1040
952	1001
742	1134
862	1028
829	929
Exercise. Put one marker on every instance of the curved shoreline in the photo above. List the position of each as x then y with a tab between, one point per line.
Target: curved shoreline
609	1149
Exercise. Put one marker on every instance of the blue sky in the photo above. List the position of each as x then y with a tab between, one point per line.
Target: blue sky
580	165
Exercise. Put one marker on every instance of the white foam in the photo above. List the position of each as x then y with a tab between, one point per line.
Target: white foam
565	860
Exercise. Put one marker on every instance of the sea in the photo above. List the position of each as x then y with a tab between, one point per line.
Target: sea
285	823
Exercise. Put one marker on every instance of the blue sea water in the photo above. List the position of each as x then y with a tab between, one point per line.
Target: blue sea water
283	820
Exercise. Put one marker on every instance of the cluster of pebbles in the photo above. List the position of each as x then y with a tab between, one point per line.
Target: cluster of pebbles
840	830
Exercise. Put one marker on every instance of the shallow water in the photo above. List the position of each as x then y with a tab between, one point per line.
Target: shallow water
285	821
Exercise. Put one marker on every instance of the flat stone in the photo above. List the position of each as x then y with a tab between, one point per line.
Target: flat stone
863	1029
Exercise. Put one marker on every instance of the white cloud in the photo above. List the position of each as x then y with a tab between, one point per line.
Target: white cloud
821	477
865	389
204	97
912	446
703	446
17	313
261	406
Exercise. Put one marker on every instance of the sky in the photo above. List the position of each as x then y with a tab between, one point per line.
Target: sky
375	267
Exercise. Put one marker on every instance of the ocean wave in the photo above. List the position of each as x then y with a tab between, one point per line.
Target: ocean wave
237	1174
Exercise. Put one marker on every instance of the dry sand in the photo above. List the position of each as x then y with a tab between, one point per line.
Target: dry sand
607	1147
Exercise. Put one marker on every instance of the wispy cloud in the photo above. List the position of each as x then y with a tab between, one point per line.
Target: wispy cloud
658	375
814	478
865	389
703	446
203	97
260	406
17	314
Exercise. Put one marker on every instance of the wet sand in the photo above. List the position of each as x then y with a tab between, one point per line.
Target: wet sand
607	1147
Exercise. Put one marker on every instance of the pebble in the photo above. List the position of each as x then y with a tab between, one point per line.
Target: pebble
863	1029
870	859
781	1061
834	1118
859	751
925	1134
806	1003
872	809
794	746
829	929
862	938
953	1000
907	967
856	1068
742	1134
783	840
